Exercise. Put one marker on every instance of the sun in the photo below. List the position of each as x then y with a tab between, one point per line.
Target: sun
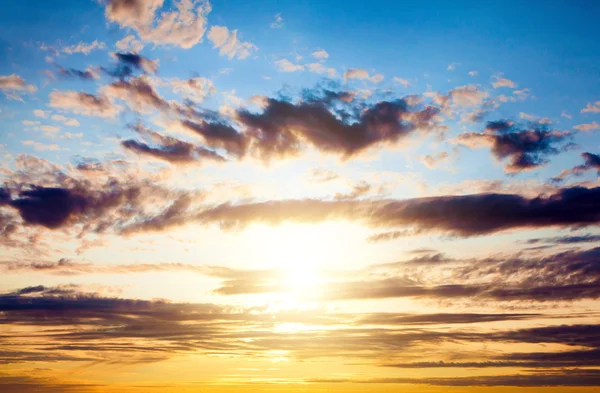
301	253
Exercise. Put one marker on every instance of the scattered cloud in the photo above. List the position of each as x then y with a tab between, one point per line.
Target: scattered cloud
228	43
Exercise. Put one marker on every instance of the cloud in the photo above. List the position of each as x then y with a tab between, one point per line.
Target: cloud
183	26
592	108
472	215
82	47
527	149
473	73
558	378
467	96
228	43
41	146
89	74
405	83
13	84
137	93
285	65
129	62
587	238
592	161
319	68
277	22
357	73
321	54
66	120
195	89
503	82
84	103
40	113
587	127
434	161
169	149
130	44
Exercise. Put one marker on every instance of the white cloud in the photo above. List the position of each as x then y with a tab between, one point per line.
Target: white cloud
83	47
40	113
277	22
320	54
228	43
473	73
587	127
319	68
285	65
184	26
592	108
405	83
42	147
130	44
503	82
66	120
357	73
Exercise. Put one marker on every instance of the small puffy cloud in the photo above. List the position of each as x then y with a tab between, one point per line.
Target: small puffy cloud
41	147
30	123
404	82
183	26
285	65
320	54
452	67
434	161
587	127
66	120
130	44
84	103
473	73
319	68
567	115
357	73
503	82
16	83
40	113
277	22
68	135
467	96
50	129
537	119
82	47
228	44
196	89
592	108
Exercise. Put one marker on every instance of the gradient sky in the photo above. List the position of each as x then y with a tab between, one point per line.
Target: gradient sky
299	196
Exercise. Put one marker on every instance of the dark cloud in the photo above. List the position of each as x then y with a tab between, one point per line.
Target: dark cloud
587	238
527	149
129	63
220	135
466	215
138	93
591	162
88	74
283	126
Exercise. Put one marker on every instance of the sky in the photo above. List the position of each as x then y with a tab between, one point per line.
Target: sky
309	196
